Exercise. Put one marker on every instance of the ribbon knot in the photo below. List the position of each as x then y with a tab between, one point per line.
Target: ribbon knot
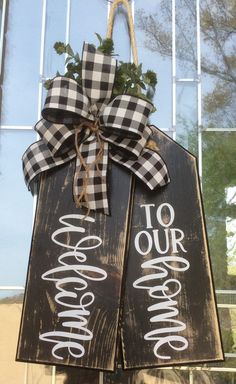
87	124
94	128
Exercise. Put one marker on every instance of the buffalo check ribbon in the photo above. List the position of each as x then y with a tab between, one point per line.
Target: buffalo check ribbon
86	124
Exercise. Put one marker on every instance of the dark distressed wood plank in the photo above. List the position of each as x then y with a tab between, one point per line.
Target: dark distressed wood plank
193	308
41	313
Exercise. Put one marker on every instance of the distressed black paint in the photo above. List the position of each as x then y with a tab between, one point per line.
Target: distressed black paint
40	313
195	301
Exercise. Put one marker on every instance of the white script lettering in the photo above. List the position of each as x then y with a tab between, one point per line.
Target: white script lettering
158	284
70	277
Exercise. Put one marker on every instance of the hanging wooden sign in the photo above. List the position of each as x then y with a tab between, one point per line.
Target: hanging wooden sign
72	299
169	314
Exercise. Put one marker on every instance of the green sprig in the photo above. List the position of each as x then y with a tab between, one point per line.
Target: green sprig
129	78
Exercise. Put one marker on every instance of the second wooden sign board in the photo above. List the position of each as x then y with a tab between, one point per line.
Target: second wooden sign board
154	242
170	314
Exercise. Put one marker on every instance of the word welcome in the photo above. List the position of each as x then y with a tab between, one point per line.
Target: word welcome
71	278
157	284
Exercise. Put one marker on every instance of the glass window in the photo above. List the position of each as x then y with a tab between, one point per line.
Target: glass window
186	39
16	207
10	307
86	21
219	184
186	116
153	34
121	36
13	372
228	328
55	31
213	377
21	63
218	63
153	376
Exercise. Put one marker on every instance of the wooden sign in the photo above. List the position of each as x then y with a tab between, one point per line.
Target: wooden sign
169	314
72	300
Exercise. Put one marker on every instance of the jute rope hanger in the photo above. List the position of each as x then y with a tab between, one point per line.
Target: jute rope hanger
130	23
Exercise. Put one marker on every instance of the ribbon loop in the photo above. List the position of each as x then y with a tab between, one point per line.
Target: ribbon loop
59	138
131	148
65	102
126	116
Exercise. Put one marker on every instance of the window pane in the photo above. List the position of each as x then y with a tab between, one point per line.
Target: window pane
228	329
219	190
10	312
121	36
218	62
230	362
15	372
186	42
186	116
153	376
15	207
153	34
214	377
55	31
21	63
80	30
86	20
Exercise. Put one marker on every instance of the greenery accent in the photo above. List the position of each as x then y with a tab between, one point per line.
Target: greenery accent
129	78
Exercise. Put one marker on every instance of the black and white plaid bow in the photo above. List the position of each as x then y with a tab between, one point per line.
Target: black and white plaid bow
84	123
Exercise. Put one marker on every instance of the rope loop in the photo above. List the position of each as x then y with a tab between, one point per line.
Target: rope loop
130	23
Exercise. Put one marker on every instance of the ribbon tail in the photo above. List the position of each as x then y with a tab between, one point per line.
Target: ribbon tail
150	168
90	179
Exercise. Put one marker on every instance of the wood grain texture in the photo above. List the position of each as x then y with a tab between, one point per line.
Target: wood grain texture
195	301
40	312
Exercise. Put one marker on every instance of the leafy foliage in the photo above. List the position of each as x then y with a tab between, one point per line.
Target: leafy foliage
129	78
106	45
73	63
